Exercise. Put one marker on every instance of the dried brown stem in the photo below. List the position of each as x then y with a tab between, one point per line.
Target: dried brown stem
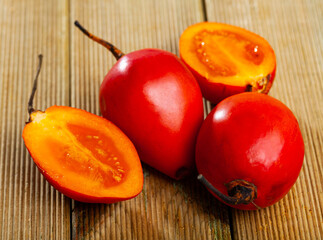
239	191
33	91
114	50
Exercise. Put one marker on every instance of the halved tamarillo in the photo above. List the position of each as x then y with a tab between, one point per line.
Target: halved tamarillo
155	100
249	151
82	155
227	60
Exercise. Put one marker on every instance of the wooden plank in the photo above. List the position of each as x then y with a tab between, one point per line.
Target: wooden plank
294	30
29	207
166	209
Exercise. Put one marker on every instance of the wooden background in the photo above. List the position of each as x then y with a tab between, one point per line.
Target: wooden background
72	71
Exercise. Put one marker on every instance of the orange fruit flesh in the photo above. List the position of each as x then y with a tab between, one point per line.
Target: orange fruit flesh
227	54
83	153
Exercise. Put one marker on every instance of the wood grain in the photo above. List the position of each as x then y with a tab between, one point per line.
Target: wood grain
73	70
294	30
29	207
165	209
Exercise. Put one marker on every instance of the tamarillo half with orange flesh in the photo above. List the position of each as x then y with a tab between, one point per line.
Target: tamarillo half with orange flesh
82	155
227	60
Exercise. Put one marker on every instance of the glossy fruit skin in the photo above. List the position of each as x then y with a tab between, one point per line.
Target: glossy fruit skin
152	97
216	92
254	137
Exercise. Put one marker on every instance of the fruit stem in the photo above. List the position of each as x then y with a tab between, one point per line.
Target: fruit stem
239	191
31	98
114	50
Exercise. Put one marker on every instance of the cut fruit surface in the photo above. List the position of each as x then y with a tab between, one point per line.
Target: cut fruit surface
223	55
84	156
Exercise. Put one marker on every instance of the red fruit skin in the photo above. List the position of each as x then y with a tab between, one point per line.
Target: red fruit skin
254	137
81	197
155	100
216	92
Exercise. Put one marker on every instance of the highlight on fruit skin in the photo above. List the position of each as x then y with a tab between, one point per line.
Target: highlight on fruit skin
227	60
155	100
82	155
249	151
